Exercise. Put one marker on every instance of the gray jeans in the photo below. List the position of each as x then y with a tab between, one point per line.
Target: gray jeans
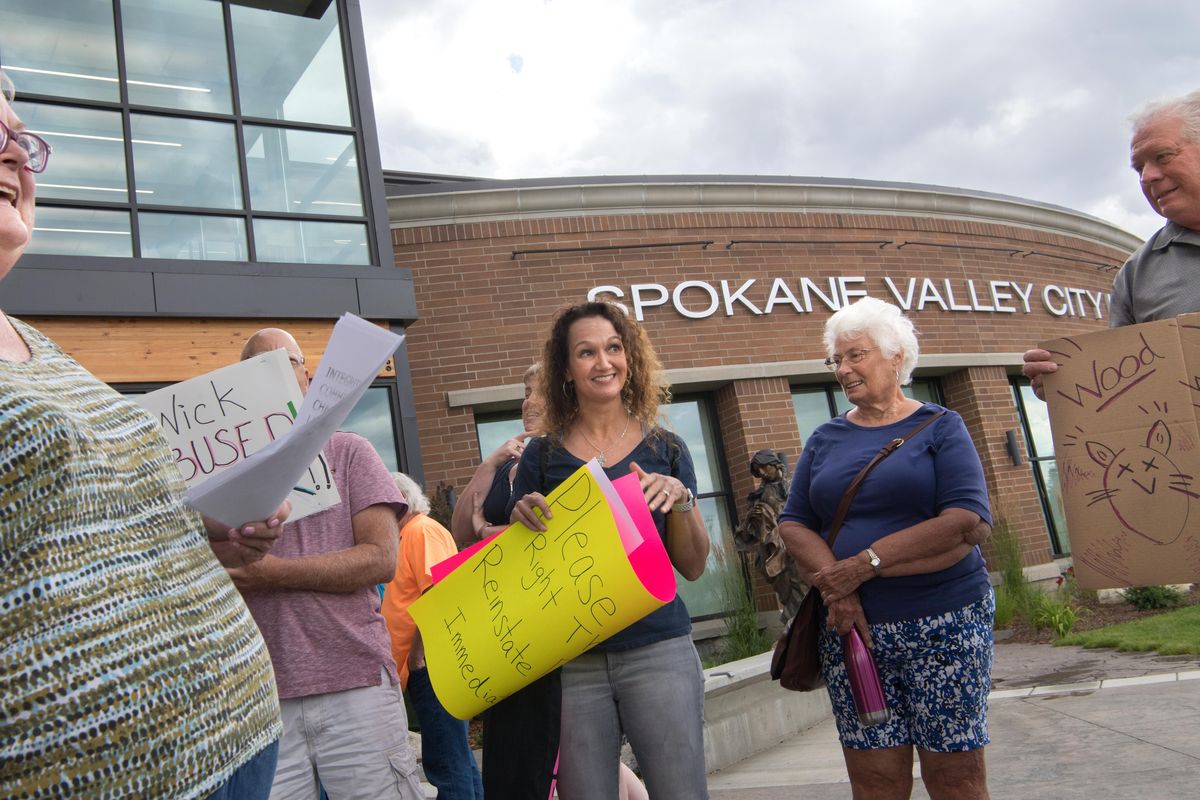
655	694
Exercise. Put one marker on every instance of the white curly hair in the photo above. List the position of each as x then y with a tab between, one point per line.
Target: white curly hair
884	324
413	494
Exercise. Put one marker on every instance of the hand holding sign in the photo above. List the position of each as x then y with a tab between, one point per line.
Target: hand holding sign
218	420
252	488
527	601
1123	406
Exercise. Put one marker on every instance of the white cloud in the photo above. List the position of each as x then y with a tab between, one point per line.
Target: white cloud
1016	98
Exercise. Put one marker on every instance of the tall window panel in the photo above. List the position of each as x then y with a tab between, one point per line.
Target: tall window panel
88	163
61	48
175	55
186	162
1039	444
693	421
290	68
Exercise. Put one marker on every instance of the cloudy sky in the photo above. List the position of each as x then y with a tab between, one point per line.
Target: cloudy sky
1022	98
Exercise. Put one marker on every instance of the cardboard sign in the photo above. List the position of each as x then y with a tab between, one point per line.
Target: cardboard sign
217	420
1124	406
524	603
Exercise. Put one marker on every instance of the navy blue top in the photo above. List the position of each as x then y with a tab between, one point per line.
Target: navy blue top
936	470
496	504
662	452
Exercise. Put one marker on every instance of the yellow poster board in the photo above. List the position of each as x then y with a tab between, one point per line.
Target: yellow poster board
527	602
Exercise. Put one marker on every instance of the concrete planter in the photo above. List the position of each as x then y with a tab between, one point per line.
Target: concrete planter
745	712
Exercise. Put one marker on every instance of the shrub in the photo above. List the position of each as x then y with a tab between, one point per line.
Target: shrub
1148	598
1059	616
743	637
1013	583
1006	608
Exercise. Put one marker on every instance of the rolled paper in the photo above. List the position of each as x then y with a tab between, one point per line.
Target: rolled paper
525	602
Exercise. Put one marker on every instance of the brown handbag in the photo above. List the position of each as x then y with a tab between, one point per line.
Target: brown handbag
796	662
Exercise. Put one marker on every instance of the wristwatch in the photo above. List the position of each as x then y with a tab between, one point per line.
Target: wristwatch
686	505
873	560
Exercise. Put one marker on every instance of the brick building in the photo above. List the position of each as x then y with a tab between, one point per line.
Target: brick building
734	279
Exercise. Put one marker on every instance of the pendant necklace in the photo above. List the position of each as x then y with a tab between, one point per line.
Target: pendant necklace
602	455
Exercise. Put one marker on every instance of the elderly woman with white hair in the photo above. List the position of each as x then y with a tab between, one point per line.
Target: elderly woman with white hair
904	569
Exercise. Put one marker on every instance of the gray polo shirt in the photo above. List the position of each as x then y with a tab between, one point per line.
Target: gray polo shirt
1161	280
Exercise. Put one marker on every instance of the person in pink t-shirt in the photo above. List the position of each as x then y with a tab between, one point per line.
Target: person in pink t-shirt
315	601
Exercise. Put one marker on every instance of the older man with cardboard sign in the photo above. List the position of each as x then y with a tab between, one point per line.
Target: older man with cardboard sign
1161	280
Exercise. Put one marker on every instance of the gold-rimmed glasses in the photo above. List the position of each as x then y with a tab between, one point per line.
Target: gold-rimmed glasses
850	357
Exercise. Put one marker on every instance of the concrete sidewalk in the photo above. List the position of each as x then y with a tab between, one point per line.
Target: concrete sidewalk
1065	723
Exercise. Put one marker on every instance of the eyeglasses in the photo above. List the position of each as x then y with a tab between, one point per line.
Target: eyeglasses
297	361
852	357
37	148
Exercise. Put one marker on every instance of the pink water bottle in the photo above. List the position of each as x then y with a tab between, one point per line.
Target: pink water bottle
864	681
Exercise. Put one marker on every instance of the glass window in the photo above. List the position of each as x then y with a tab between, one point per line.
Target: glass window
89	152
175	55
495	430
192	236
290	67
1039	444
811	403
311	242
811	407
925	391
692	421
695	428
81	232
372	419
185	162
1040	441
64	48
302	171
708	596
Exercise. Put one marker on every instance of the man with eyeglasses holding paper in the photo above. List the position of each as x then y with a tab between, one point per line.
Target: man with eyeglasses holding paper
315	600
1161	280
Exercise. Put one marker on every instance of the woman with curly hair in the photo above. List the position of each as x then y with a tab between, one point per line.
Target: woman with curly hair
602	384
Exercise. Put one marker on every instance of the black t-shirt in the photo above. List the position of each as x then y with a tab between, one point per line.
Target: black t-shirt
662	452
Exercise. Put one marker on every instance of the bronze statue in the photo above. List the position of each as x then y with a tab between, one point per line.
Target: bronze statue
759	532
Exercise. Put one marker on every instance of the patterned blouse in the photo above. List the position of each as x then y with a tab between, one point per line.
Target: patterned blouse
129	665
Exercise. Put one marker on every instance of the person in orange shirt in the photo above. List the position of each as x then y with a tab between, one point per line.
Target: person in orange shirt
445	751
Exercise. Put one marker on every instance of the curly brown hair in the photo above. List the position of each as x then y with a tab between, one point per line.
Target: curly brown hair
645	387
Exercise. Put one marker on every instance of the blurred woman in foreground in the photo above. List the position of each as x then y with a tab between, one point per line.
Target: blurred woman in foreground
129	665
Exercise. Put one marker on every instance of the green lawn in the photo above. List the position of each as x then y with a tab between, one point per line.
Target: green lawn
1170	634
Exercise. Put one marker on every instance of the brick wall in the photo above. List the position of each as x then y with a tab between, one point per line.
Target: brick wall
983	396
484	313
754	415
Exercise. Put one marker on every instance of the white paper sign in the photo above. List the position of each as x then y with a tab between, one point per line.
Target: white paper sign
217	420
254	487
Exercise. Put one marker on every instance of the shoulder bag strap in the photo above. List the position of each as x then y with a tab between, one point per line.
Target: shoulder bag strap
848	496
